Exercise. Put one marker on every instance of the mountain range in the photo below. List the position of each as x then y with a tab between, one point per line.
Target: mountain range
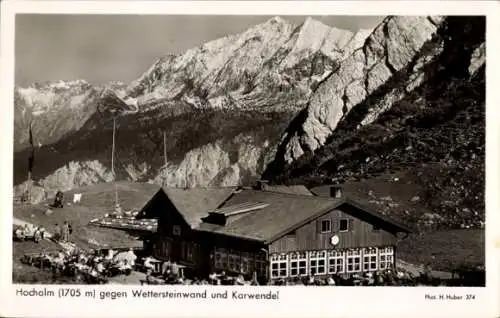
222	106
290	103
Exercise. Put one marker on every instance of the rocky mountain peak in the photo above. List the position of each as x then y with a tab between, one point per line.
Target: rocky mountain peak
262	75
389	48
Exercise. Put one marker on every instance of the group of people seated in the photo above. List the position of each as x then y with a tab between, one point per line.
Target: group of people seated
94	267
29	232
223	279
169	273
389	277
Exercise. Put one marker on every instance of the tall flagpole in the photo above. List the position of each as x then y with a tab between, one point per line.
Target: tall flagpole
31	159
117	204
28	188
165	158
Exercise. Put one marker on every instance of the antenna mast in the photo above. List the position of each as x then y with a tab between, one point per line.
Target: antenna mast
165	172
117	204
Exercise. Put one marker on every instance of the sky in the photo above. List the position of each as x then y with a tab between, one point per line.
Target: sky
103	48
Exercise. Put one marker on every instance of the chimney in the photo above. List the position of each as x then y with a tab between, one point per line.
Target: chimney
262	185
336	192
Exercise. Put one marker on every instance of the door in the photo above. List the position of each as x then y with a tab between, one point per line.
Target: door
163	248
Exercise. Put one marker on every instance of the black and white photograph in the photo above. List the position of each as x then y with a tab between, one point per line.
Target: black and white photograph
252	150
266	150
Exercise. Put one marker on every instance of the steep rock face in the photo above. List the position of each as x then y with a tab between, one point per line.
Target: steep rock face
389	49
218	163
424	128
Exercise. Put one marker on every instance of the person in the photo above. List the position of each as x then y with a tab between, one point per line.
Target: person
42	232
330	281
37	236
311	280
148	263
28	232
65	232
57	232
110	255
19	234
254	281
174	271
239	280
131	257
100	268
149	276
125	267
165	268
82	258
213	278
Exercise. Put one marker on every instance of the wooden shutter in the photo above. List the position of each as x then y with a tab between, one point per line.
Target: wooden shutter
335	225
318	226
350	226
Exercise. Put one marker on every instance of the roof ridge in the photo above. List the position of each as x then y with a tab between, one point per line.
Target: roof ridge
200	188
296	195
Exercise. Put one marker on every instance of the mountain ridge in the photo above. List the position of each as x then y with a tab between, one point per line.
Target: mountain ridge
243	88
423	127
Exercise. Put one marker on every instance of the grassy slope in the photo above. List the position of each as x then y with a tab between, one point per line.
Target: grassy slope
444	250
96	201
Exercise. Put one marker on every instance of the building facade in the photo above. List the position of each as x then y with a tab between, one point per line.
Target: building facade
276	235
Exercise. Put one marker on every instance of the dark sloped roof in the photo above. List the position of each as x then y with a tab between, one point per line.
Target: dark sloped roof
195	203
283	212
292	189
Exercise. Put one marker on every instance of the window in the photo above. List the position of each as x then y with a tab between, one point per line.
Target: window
336	261
233	261
245	263
188	251
344	224
317	262
298	264
176	230
220	258
353	261
386	257
326	226
163	247
279	266
376	228
294	264
260	264
369	259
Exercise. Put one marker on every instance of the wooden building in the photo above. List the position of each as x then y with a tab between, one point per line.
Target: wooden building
278	235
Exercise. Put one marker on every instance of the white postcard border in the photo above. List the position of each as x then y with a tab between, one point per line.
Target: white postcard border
293	301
